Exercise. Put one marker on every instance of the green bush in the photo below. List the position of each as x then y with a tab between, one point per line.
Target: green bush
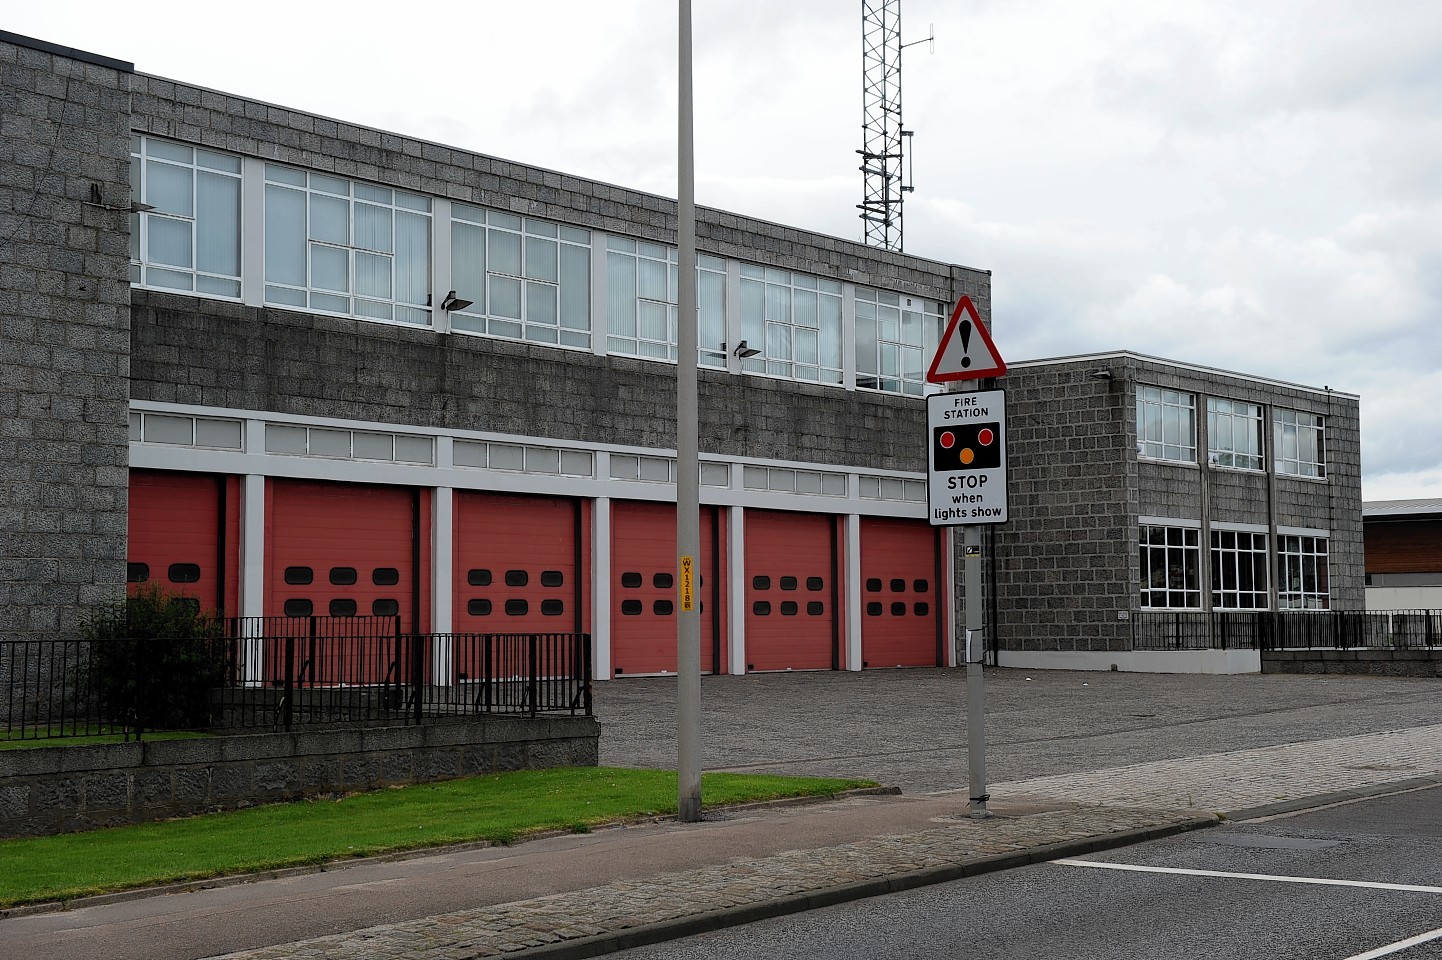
154	659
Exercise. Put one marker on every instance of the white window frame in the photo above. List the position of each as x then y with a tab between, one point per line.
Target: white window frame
779	327
625	315
1166	424
1300	440
1169	567
1239	570
538	245
319	188
1303	572
148	156
907	331
1234	434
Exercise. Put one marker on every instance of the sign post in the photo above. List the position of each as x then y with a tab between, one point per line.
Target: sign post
966	487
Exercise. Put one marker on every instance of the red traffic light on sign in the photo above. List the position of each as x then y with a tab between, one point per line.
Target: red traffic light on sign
975	446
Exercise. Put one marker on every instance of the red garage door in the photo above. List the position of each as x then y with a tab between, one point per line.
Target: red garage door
644	589
791	591
900	616
344	550
518	564
184	536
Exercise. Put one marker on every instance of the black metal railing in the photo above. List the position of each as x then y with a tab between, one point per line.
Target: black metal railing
1286	629
286	672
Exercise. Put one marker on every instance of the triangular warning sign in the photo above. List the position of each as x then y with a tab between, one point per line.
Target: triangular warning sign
966	351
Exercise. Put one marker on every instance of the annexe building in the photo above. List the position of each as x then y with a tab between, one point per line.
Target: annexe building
1142	487
295	366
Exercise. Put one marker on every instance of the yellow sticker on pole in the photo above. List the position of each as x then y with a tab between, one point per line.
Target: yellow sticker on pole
688	595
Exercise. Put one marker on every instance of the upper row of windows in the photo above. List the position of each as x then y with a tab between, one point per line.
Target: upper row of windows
1167	430
356	249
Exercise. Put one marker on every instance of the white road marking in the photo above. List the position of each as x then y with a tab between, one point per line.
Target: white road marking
1397	947
1319	881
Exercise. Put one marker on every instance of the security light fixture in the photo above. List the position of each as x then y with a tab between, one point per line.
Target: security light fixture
743	350
452	302
1101	373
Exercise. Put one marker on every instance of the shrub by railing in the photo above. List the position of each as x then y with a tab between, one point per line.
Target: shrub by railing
283	672
1286	629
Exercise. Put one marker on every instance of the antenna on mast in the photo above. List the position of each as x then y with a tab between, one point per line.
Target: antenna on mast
885	151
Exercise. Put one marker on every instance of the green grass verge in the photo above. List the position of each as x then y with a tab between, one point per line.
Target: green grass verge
500	808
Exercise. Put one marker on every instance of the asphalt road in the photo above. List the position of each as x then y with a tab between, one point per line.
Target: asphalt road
1344	883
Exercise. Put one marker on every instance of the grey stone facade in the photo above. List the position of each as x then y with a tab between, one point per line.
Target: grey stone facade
65	316
1066	564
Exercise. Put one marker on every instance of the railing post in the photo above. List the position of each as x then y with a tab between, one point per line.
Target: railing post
141	674
418	680
534	678
487	648
287	702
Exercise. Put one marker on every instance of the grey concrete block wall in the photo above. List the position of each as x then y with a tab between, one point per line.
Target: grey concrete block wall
189	350
62	789
64	332
1062	559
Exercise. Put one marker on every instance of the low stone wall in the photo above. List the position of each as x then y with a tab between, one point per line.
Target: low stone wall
1386	663
60	789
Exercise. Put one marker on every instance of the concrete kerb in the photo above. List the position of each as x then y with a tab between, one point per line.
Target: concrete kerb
668	930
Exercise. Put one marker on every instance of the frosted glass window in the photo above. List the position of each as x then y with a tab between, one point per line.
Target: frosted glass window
655	469
349	248
505	456
784	315
412	449
283	439
641	296
466	453
894	337
163	429
218	433
330	443
543	460
374	446
191	239
577	463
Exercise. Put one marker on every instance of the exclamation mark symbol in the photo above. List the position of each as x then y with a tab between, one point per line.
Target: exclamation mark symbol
964	330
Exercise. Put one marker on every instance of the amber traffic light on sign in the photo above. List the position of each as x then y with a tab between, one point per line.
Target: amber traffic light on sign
975	446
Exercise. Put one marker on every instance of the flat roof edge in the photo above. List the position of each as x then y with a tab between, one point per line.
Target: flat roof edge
85	56
1194	367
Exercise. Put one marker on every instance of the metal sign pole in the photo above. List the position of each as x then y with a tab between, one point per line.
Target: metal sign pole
975	691
688	464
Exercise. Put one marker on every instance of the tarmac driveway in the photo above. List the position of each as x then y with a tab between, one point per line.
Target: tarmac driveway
907	728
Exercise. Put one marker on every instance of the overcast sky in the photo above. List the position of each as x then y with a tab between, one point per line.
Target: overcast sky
1254	185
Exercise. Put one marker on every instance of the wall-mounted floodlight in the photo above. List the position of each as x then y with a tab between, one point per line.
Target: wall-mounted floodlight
743	350
1101	373
452	302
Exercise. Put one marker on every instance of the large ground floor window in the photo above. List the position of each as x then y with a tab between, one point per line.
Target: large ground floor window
1239	570
1170	567
1302	575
